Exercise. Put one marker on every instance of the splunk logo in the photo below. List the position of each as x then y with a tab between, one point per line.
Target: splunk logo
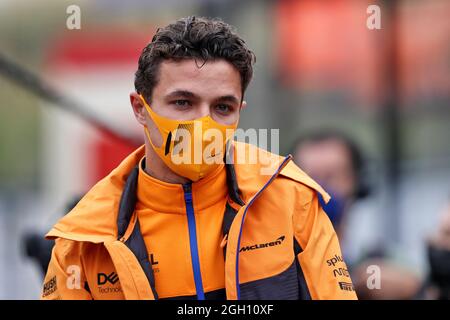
334	260
263	245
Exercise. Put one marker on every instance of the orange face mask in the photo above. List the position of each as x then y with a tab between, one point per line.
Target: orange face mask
190	148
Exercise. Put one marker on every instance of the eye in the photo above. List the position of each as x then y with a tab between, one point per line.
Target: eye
182	104
223	108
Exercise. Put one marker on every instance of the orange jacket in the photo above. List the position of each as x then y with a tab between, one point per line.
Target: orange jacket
278	242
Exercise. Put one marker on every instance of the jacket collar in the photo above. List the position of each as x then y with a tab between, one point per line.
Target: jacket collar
163	197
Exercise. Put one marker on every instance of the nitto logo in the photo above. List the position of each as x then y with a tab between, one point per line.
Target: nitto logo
263	245
341	272
103	278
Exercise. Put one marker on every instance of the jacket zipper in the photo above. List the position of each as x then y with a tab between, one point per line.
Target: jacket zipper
281	166
193	241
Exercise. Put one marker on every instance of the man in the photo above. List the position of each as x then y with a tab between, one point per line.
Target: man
438	252
336	163
161	227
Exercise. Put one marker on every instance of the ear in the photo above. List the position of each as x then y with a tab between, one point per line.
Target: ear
138	108
243	104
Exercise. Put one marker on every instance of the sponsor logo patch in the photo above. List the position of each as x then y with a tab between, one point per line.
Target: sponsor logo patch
49	287
108	283
103	278
263	245
347	286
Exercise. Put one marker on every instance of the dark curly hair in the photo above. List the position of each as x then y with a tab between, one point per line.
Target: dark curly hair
196	38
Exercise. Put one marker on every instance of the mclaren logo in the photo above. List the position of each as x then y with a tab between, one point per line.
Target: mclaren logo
263	245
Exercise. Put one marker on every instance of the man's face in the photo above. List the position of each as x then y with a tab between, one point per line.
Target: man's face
186	92
328	162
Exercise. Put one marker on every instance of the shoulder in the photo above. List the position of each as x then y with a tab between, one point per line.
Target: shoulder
302	182
94	218
67	248
256	166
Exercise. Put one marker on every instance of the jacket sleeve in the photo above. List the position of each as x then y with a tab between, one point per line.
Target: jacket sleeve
322	269
65	279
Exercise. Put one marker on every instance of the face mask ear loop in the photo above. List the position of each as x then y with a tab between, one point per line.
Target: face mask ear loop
149	112
148	137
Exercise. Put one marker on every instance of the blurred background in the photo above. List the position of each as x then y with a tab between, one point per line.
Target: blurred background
319	69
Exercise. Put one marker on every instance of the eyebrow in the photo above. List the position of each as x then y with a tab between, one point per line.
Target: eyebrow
181	93
229	98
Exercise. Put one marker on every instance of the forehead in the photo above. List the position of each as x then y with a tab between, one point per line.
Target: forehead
327	153
213	78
